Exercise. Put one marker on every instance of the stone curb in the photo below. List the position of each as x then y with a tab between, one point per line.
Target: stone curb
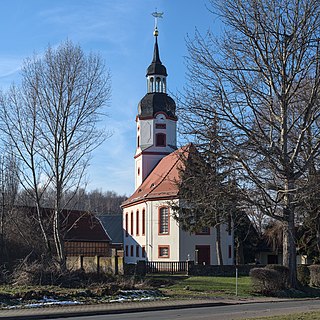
105	309
89	310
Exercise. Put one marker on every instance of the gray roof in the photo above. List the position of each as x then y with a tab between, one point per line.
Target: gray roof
155	102
113	225
156	67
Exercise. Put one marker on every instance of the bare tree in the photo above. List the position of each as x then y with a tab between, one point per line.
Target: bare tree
256	74
8	189
55	122
19	125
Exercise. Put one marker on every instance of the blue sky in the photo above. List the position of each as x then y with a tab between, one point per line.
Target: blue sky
121	32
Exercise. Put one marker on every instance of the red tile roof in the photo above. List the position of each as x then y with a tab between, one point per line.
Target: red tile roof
163	181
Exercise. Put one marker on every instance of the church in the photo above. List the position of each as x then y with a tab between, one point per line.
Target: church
150	231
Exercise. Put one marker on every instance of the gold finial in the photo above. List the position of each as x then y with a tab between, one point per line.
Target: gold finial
156	16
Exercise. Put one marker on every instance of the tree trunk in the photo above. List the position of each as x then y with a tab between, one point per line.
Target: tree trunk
218	245
289	249
43	231
239	252
59	241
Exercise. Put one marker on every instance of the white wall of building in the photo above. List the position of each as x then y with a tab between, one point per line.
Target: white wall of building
181	244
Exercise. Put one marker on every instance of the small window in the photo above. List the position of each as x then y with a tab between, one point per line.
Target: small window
131	251
137	251
160	140
161	126
203	231
138	171
138	141
143	253
163	251
131	227
230	252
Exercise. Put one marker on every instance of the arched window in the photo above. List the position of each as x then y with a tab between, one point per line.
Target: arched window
127	224
138	141
131	227
137	222
143	222
158	81
164	220
151	85
160	140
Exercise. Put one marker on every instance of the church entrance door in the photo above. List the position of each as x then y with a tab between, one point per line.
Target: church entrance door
203	253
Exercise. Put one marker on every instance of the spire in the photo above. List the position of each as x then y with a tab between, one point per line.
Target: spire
156	56
156	67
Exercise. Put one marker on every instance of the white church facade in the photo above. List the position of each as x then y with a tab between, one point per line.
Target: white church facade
150	230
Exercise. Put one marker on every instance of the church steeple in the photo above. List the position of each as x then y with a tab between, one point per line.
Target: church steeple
156	119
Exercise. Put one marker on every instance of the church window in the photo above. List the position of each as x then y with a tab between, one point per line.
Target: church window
229	251
161	126
143	253
131	251
127	223
138	171
143	222
137	251
137	223
229	225
160	140
164	220
204	231
138	141
131	229
164	251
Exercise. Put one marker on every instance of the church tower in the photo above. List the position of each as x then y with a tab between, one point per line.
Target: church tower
156	119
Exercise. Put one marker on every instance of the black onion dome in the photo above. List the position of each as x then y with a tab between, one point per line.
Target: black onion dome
155	102
156	67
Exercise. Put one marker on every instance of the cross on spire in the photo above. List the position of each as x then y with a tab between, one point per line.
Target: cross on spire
156	16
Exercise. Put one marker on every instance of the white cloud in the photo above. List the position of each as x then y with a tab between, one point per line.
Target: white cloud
9	66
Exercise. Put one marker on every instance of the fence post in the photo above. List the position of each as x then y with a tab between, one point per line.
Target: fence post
236	281
190	264
141	268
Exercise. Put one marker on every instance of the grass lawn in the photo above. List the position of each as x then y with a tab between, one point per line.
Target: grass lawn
296	316
209	287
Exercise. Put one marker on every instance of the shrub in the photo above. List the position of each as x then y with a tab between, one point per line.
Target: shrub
4	275
315	275
266	280
284	272
38	273
32	273
303	275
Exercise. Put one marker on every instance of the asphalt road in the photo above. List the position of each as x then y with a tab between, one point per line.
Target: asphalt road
232	312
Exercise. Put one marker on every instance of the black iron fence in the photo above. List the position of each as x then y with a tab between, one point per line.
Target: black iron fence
172	267
186	268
